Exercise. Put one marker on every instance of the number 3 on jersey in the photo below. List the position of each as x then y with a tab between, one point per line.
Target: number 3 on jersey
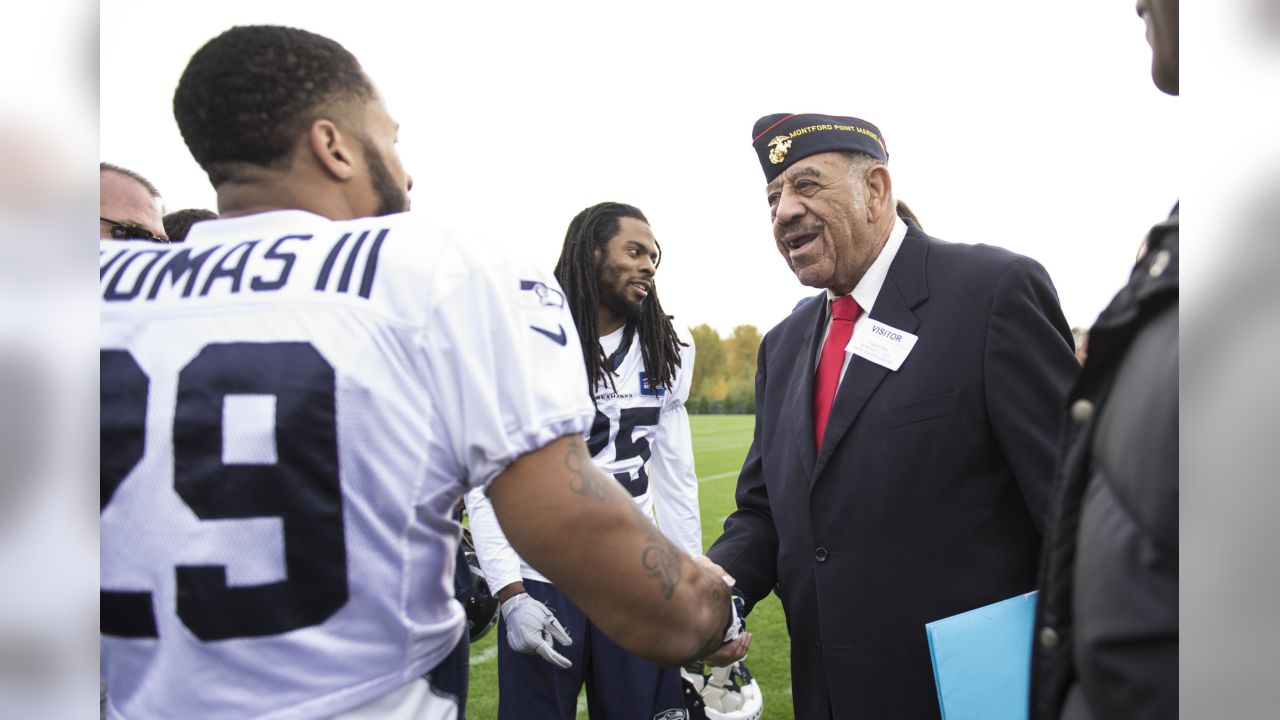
626	445
302	487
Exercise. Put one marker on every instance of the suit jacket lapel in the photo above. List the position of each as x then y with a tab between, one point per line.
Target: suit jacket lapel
903	289
802	399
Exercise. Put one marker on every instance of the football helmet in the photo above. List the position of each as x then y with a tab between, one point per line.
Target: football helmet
721	693
480	604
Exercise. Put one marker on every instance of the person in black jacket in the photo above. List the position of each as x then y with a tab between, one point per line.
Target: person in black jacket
1106	637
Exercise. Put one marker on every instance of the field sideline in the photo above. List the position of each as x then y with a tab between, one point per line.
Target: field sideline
720	443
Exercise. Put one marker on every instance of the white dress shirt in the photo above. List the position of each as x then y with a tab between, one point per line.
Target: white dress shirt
867	290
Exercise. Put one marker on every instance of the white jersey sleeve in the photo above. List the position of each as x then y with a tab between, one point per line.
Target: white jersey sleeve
488	351
498	560
498	342
675	481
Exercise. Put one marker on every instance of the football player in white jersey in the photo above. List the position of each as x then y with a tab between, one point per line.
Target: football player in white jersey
639	370
295	399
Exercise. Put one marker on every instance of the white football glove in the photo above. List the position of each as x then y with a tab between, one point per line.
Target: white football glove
531	628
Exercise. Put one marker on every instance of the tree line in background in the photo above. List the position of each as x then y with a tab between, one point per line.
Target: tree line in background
724	370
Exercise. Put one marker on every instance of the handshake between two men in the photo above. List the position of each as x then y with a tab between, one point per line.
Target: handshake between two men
532	628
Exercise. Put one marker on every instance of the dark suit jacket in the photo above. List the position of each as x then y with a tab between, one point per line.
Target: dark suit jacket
929	494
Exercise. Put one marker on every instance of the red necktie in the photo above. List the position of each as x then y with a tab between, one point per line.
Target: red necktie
844	311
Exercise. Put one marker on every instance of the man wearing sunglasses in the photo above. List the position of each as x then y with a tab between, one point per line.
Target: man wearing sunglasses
129	206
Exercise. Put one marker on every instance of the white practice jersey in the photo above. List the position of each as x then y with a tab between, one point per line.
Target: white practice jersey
640	436
291	407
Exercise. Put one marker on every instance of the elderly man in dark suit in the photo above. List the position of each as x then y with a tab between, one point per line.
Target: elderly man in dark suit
905	427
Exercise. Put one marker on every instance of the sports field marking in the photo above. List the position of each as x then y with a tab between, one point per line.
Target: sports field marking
484	656
718	476
704	447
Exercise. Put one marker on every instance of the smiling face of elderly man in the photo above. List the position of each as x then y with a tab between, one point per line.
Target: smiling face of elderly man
831	214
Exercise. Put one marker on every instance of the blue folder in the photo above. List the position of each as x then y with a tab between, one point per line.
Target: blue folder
982	660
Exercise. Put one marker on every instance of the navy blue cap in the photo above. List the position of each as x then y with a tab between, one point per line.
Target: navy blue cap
782	139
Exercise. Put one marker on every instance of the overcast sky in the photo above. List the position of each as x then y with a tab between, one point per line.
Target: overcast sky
1029	125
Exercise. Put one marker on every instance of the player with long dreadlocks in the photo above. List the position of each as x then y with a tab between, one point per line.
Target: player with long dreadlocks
638	370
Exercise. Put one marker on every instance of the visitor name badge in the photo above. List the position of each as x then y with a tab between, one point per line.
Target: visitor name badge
881	344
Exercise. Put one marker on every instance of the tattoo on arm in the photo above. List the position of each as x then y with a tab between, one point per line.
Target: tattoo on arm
663	563
585	479
661	559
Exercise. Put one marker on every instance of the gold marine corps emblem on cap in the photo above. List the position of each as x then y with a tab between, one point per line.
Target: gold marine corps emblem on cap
780	145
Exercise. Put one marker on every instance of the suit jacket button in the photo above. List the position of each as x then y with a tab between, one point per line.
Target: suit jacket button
1081	410
1048	638
817	647
820	555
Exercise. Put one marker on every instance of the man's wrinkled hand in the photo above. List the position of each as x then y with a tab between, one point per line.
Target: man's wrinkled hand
532	628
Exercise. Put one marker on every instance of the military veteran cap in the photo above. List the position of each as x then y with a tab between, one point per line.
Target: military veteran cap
782	139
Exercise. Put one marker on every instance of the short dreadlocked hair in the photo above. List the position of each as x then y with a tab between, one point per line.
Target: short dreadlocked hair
578	274
248	94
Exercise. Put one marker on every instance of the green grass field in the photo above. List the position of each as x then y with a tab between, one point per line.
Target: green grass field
719	444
